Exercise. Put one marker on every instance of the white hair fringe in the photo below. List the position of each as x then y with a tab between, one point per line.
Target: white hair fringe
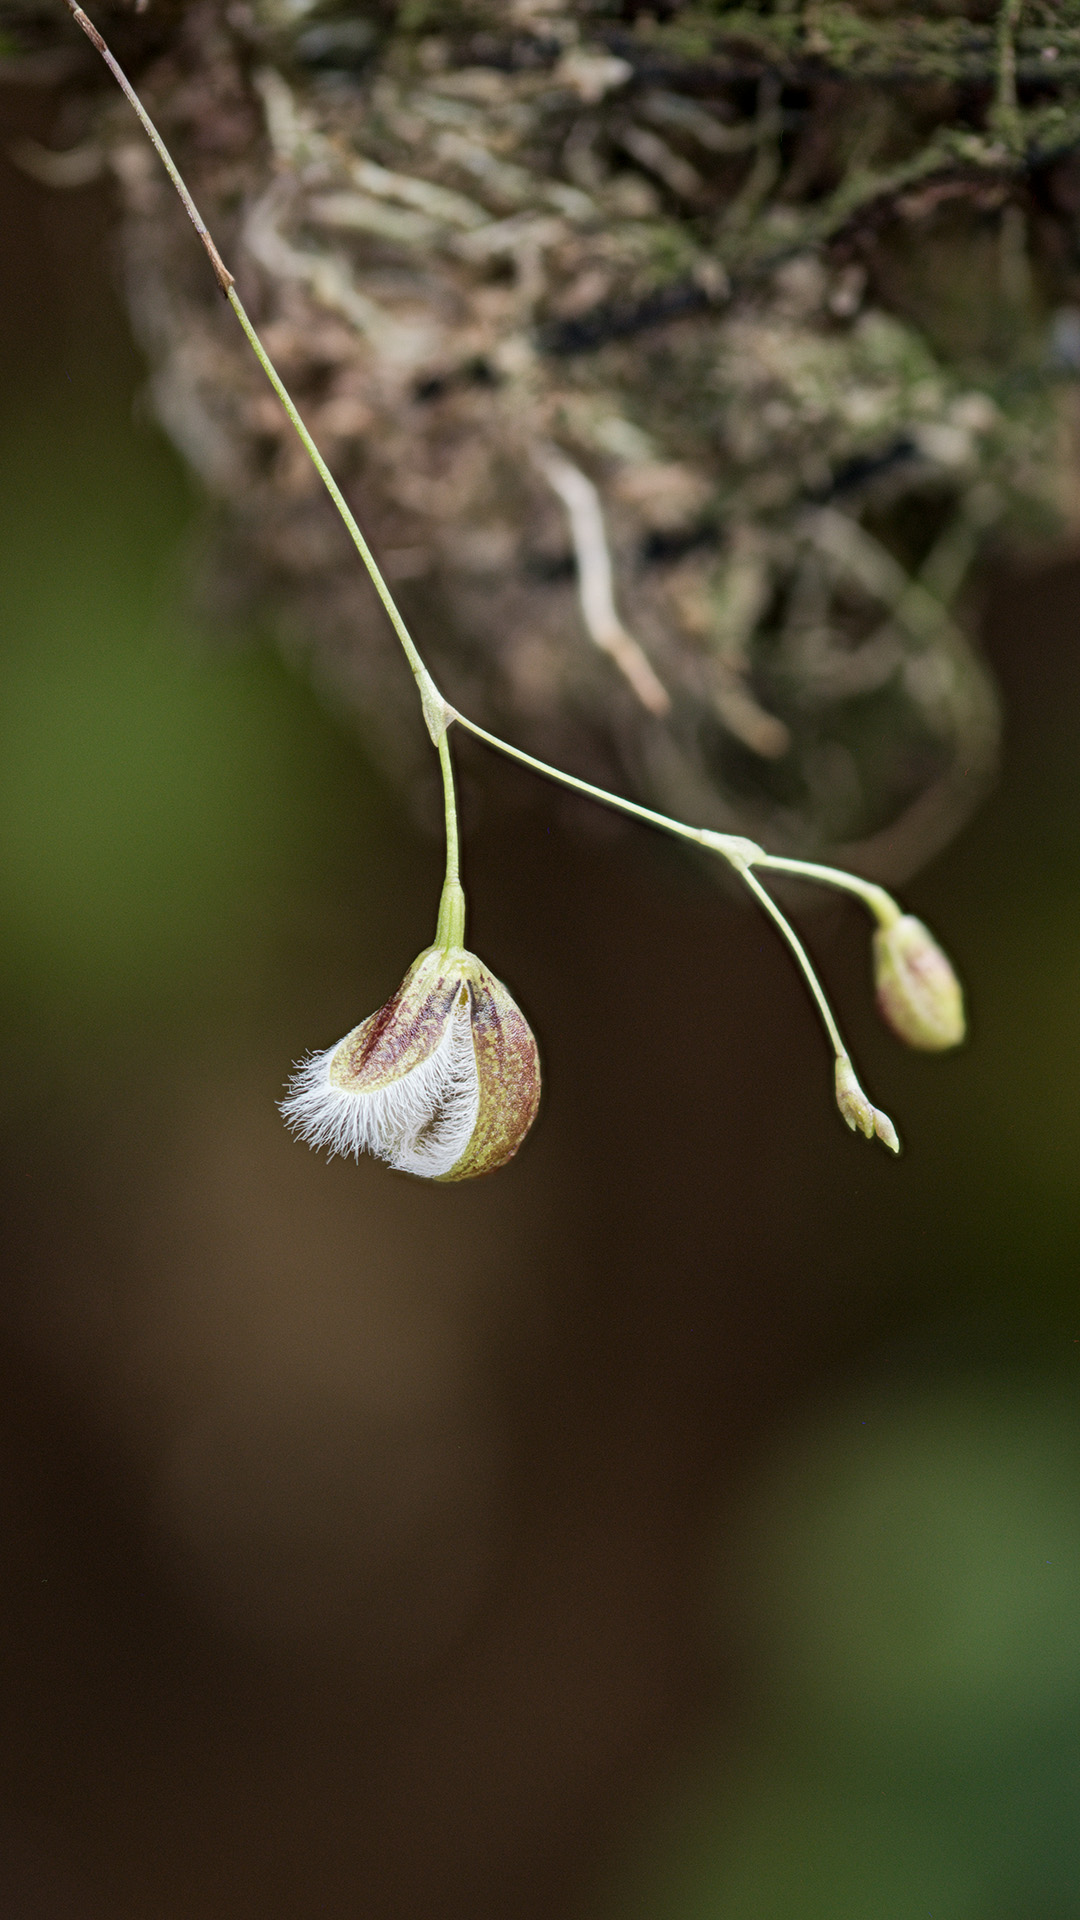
420	1123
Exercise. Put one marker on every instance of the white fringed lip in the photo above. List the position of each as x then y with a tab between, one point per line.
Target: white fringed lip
443	1081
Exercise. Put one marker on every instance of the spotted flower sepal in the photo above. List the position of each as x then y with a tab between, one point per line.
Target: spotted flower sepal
444	1081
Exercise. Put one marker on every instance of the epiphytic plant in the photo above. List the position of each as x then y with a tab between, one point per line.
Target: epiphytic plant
444	1081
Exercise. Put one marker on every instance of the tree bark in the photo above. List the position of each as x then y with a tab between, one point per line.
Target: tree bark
677	366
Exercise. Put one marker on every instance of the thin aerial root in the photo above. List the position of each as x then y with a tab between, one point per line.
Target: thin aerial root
593	556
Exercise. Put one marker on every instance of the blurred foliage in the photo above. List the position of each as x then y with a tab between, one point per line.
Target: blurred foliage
908	1576
163	799
154	788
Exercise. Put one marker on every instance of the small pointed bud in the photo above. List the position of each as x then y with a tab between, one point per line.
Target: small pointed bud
444	1081
851	1099
857	1110
918	993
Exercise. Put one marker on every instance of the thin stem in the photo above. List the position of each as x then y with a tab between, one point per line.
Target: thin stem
731	845
881	904
450	931
804	961
424	680
740	853
433	703
453	868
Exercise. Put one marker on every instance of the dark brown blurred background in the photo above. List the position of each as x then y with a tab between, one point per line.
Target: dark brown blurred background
685	1522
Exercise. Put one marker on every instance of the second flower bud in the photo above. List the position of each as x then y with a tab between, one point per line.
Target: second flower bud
918	992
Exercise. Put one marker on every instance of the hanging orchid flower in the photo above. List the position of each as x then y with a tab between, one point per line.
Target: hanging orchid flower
444	1081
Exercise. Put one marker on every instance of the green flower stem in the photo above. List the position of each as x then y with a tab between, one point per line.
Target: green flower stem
450	931
732	846
434	704
881	904
740	853
817	991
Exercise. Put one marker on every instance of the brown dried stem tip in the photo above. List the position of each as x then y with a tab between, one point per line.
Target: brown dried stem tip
223	276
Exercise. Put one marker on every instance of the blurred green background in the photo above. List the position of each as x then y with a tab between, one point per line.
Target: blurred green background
686	1523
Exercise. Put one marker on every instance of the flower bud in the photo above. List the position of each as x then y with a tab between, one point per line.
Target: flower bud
917	991
857	1110
444	1081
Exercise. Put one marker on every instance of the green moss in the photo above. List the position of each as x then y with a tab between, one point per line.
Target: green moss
887	47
